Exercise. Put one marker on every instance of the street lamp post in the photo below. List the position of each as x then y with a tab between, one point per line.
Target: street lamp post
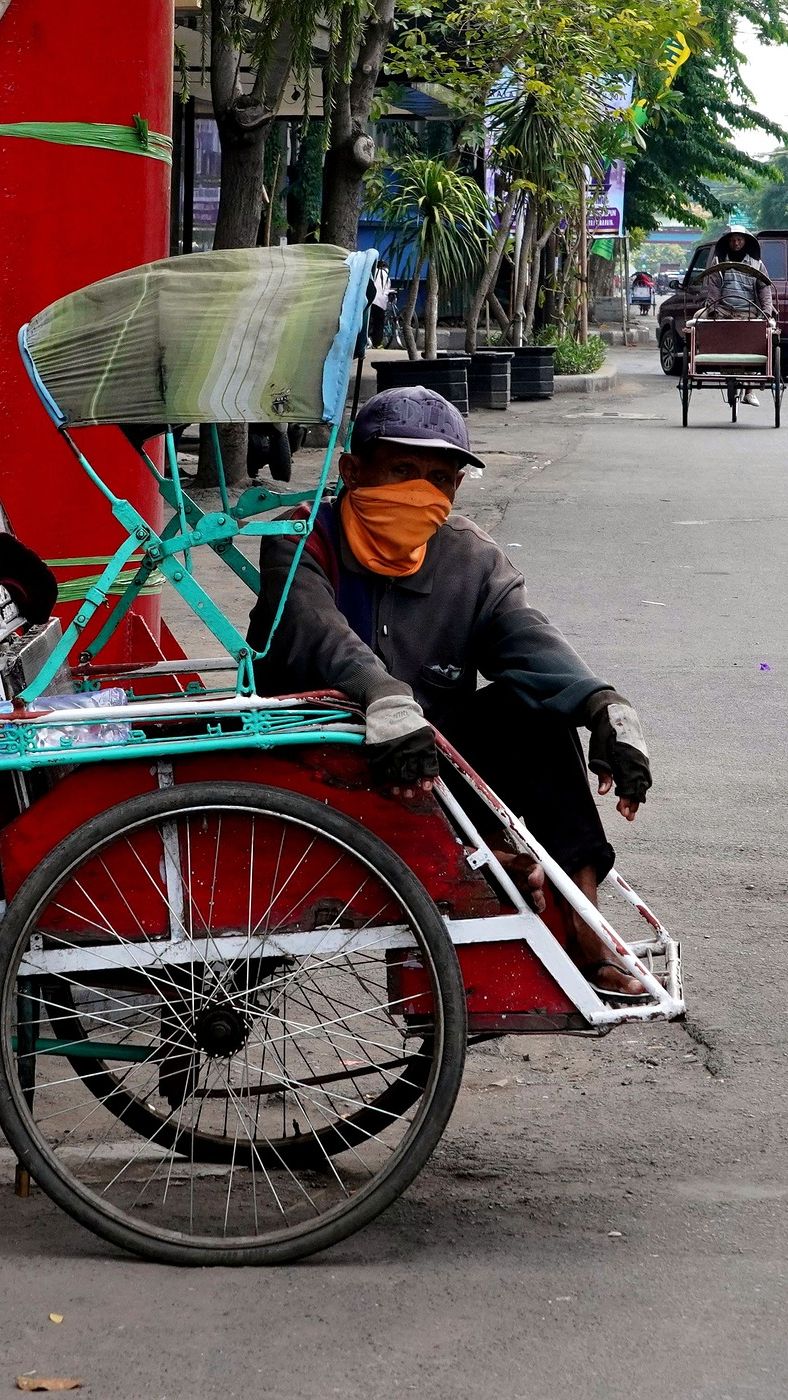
583	259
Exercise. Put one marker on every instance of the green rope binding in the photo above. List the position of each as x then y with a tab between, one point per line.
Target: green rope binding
137	139
73	590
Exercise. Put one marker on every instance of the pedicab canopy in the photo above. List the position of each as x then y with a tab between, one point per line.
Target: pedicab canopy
241	335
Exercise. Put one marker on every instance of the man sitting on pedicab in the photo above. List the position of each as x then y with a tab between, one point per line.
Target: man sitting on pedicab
402	604
733	294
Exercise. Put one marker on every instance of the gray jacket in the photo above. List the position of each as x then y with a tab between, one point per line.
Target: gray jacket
464	613
736	289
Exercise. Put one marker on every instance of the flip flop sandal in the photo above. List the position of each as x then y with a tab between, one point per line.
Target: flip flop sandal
607	993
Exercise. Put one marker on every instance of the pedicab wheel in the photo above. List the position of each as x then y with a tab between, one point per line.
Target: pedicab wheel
239	952
685	388
778	384
732	395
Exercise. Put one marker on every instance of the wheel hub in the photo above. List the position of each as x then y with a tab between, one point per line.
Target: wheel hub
221	1031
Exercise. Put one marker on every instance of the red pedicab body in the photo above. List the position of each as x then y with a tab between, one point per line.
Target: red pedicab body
230	966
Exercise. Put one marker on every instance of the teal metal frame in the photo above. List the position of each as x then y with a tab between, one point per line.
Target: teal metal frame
243	721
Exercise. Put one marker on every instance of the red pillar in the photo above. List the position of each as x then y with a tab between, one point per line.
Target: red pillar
70	215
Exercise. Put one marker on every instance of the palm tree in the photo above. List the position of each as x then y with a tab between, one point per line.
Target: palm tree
440	219
555	155
547	137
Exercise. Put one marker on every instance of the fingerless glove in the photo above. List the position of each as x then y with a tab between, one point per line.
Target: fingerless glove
617	744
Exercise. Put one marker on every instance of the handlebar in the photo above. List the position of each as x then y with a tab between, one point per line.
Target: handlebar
753	272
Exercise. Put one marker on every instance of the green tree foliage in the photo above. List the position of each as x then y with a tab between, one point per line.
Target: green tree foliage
305	191
465	45
651	257
270	40
692	141
541	71
274	221
741	202
772	200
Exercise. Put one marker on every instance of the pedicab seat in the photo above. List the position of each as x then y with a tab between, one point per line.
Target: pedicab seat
718	358
728	345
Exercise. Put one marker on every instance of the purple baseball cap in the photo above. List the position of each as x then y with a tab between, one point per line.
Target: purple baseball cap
416	417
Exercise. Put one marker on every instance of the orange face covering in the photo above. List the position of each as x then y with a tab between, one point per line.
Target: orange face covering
387	527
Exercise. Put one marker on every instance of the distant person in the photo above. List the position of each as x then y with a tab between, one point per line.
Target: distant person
377	311
642	292
733	294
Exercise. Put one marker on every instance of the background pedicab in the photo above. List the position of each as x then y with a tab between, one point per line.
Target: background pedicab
732	348
642	292
236	982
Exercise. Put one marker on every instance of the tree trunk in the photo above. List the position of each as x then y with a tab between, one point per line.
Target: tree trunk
343	189
243	121
431	315
550	259
237	226
490	274
567	305
407	314
600	276
522	269
533	289
583	265
498	312
241	193
351	149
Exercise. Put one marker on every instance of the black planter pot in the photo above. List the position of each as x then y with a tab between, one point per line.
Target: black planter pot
532	372
448	375
489	379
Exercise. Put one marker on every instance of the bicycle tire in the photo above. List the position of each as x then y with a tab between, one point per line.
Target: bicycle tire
92	842
685	388
393	332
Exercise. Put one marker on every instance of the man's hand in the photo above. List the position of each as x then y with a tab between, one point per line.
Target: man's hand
400	746
617	750
625	805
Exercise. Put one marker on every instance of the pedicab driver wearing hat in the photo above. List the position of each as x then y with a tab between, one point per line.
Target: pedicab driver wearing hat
402	604
735	293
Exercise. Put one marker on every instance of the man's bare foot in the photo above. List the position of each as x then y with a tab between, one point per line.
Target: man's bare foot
527	874
610	977
594	957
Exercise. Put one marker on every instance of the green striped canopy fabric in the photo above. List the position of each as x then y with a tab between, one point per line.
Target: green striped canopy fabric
240	335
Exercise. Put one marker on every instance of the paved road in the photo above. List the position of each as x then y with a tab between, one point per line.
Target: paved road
663	554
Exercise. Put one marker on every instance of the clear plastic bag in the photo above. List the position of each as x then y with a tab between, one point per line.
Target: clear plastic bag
69	736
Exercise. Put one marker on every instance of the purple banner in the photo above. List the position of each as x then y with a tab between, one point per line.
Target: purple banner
606	203
605	196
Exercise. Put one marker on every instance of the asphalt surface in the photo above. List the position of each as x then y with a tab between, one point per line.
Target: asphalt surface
602	1220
